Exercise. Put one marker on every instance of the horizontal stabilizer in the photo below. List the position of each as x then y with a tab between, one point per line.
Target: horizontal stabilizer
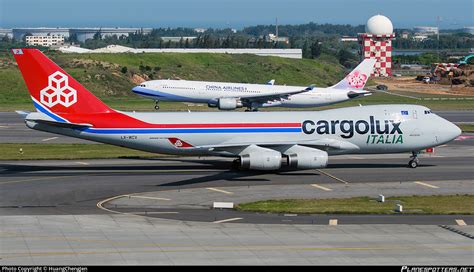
60	124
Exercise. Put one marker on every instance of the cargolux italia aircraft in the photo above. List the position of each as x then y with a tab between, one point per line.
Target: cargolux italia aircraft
229	96
258	140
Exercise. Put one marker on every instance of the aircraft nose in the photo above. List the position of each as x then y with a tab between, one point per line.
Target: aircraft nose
449	131
138	89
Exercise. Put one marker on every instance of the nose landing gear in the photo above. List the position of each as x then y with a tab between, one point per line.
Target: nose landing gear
157	105
413	163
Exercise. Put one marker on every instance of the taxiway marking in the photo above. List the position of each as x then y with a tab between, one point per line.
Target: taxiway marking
331	176
460	222
49	139
426	184
32	179
321	187
148	197
176	249
148	213
227	220
220	191
83	163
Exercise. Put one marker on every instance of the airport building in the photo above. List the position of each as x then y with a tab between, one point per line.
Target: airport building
46	41
294	53
468	29
6	33
20	33
427	30
81	34
376	43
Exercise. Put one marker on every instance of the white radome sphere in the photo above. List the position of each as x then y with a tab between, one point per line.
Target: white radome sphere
379	25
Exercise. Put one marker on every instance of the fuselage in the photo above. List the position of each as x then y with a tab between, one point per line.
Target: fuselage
258	140
362	130
204	92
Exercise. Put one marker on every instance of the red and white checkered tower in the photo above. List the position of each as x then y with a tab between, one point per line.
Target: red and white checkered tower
377	43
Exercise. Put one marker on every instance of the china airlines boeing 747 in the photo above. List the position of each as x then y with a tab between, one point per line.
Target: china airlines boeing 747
258	140
229	96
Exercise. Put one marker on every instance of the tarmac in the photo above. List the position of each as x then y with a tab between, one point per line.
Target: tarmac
158	211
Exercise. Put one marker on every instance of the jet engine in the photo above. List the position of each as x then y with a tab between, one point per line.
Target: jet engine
225	103
302	157
259	158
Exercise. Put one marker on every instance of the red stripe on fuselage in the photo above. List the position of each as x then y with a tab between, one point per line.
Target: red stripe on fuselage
120	120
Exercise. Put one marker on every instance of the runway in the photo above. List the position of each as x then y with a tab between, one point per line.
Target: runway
118	212
158	211
75	187
13	129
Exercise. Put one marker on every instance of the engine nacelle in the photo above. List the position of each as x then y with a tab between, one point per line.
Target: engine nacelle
225	103
302	157
259	158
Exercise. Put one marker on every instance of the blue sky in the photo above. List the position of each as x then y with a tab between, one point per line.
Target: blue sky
229	13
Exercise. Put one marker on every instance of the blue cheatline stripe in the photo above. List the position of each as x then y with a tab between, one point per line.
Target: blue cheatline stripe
147	94
50	114
160	94
169	131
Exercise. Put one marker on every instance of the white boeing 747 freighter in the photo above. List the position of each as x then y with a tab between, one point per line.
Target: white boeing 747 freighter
257	140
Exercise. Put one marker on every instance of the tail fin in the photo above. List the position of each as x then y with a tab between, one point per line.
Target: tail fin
358	77
51	88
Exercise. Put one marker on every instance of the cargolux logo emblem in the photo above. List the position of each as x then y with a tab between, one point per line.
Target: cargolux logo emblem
357	79
58	91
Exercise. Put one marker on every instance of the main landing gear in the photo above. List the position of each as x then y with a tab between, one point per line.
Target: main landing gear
157	104
413	163
251	109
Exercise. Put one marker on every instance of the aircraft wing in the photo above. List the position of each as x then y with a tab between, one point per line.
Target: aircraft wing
272	97
322	144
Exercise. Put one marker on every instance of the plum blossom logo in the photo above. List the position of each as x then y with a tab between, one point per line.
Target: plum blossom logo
357	79
58	91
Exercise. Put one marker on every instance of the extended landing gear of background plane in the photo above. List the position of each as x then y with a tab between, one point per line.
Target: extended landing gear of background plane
251	109
157	105
413	163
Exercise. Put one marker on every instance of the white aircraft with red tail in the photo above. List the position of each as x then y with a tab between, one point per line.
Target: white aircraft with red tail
258	140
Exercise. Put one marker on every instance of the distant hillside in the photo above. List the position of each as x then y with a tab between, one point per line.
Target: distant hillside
111	76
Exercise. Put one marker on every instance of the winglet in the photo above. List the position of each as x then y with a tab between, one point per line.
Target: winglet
310	87
271	82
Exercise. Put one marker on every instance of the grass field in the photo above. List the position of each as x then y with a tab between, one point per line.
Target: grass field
102	74
467	128
446	204
67	152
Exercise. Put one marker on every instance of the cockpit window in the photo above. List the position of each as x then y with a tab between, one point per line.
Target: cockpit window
428	112
142	85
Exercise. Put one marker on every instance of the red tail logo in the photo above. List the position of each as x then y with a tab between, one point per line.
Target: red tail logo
178	143
52	89
58	91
